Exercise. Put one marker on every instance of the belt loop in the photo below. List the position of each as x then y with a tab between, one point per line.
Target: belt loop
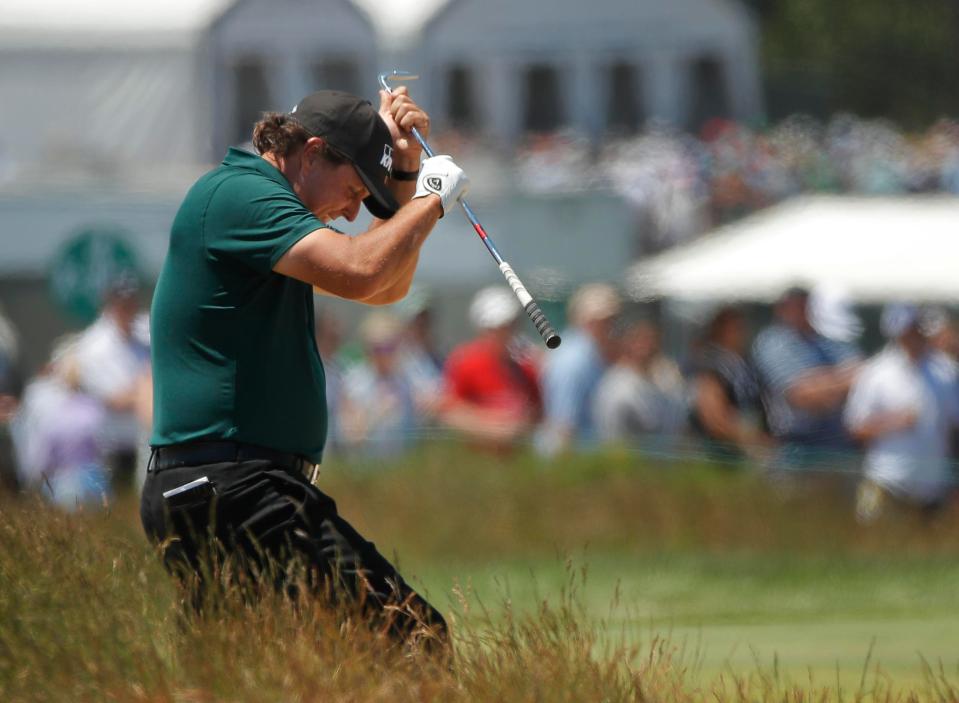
151	462
314	473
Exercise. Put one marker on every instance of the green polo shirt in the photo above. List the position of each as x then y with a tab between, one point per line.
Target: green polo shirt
234	355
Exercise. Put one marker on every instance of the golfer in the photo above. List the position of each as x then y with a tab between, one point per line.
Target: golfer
240	412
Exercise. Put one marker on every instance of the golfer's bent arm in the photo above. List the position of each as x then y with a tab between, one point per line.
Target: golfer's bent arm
375	267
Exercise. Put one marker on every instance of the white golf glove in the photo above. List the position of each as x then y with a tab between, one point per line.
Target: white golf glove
440	176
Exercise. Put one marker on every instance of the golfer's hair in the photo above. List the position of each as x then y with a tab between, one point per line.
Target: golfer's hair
280	134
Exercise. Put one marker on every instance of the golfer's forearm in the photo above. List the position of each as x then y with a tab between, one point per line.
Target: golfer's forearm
398	289
377	263
402	190
387	254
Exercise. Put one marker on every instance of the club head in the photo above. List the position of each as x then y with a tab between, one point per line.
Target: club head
396	76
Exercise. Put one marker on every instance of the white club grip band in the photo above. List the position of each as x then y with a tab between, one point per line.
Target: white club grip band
517	285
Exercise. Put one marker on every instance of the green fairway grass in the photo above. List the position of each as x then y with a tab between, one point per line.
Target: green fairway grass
723	561
594	578
802	615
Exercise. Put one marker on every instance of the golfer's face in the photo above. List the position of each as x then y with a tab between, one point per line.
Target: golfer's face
333	190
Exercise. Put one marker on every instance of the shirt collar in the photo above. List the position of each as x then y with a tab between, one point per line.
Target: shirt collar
240	158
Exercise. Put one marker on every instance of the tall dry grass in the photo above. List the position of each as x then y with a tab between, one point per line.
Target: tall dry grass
87	613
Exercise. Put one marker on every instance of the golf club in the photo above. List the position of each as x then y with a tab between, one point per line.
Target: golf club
532	308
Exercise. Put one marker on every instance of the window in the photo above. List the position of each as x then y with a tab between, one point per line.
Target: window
251	97
708	87
460	105
624	111
544	104
337	73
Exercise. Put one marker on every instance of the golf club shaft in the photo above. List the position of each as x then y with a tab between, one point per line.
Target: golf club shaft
540	321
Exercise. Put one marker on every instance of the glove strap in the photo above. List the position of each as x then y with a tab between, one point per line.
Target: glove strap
398	175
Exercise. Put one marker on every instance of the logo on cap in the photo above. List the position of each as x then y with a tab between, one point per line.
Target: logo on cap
387	159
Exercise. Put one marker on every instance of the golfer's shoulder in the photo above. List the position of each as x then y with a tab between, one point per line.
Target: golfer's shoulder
220	184
233	194
245	184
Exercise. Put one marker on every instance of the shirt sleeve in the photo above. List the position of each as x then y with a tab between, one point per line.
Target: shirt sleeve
605	409
455	377
257	221
781	361
106	368
565	389
861	401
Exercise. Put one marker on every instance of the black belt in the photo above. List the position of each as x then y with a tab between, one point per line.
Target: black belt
217	452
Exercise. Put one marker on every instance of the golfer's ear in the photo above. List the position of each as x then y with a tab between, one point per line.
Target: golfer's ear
314	146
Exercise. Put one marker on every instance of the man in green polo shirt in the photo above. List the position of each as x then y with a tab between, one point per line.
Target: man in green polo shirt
239	391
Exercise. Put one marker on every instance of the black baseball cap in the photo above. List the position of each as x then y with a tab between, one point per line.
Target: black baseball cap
354	129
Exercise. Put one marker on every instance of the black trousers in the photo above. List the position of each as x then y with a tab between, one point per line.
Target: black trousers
270	524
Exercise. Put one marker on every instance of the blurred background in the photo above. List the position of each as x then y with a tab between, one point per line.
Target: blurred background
742	213
692	155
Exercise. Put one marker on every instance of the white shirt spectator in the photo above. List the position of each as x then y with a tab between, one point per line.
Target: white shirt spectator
912	463
42	400
629	405
110	364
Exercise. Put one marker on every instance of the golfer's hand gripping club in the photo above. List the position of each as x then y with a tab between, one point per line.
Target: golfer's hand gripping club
440	176
531	307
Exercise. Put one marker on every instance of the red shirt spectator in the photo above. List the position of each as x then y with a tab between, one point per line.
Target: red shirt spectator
491	389
479	372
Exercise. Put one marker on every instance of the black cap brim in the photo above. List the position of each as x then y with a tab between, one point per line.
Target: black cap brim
353	128
380	203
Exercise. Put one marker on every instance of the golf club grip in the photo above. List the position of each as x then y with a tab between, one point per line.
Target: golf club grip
531	307
545	329
538	317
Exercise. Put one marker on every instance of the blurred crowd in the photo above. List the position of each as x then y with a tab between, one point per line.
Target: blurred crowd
76	432
682	184
798	398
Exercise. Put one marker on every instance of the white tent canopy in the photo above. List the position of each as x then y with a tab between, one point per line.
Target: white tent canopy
877	249
66	24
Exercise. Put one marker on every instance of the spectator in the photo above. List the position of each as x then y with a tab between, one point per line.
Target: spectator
113	357
328	332
10	387
726	405
902	408
492	390
806	375
421	359
679	184
59	430
642	396
378	415
572	372
940	329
